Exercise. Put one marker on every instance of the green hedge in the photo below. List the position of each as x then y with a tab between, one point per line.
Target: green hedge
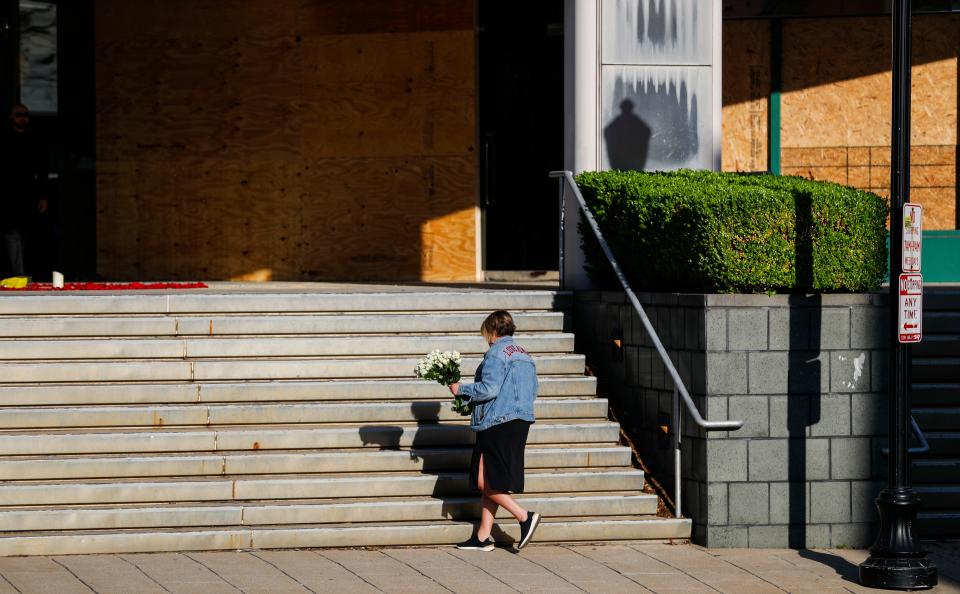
734	233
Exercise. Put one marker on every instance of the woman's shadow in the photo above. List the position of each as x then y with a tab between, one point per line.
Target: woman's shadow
439	449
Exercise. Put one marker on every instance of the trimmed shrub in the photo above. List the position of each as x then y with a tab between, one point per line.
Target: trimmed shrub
704	231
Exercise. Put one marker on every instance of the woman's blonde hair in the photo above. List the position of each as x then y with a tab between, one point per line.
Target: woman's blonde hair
499	323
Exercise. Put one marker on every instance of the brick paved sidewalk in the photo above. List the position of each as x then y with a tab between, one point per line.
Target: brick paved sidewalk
607	569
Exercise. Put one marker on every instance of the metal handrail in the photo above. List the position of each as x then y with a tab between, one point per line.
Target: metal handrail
678	385
924	444
918	433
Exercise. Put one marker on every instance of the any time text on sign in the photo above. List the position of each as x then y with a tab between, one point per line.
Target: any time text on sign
910	318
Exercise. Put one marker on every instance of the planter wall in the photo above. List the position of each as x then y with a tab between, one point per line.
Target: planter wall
808	376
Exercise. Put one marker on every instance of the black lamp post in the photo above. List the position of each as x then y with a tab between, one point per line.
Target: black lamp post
897	560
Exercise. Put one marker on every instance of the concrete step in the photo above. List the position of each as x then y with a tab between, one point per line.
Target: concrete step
261	391
936	401
935	470
938	524
258	347
941	322
938	418
939	497
303	487
295	461
261	414
941	299
938	345
936	394
278	437
215	420
313	512
253	369
311	536
940	370
404	299
266	324
943	444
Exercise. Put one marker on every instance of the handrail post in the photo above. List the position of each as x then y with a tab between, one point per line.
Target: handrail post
562	183
924	444
675	438
918	433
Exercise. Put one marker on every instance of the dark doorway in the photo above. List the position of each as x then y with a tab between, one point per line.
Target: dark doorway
521	131
47	63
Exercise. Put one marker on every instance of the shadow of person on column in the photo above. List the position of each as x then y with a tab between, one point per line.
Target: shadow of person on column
628	139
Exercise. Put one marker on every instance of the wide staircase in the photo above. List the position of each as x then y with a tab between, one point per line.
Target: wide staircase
936	407
204	421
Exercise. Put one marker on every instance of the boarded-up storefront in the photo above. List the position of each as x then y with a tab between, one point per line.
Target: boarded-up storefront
286	139
835	103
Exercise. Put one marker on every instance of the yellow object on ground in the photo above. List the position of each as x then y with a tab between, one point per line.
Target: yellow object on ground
15	282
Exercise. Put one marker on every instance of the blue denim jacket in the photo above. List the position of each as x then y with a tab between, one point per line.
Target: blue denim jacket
504	387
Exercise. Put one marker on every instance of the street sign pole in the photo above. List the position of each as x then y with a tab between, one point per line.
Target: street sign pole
897	560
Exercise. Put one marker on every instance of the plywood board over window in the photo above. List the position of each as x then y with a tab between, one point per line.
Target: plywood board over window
835	115
746	91
286	140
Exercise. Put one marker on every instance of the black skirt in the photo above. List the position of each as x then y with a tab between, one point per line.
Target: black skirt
502	447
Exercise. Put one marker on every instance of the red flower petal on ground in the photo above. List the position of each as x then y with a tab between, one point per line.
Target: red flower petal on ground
108	286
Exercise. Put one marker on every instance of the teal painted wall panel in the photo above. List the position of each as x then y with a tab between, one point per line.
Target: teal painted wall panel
941	256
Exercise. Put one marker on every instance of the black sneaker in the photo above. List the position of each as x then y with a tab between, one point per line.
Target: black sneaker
527	528
475	544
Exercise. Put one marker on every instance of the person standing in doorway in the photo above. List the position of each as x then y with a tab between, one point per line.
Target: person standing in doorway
22	179
501	402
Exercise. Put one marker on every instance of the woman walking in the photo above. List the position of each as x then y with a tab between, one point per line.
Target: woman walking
501	401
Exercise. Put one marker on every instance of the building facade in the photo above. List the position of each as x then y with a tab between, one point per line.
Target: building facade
323	140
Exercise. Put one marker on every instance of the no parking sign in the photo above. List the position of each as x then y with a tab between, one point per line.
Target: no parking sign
910	318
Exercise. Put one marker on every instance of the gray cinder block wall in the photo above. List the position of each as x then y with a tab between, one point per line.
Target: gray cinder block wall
808	376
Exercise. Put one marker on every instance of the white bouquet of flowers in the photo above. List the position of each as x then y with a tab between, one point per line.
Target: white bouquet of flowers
444	368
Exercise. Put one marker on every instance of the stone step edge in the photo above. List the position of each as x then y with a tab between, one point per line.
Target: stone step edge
338	426
164	315
278	390
265	414
183	346
180	328
200	324
399	301
256	513
307	536
244	369
448	474
563	347
314	502
310	436
92	467
300	453
320	486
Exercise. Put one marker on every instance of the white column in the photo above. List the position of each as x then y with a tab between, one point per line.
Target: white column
717	64
581	83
